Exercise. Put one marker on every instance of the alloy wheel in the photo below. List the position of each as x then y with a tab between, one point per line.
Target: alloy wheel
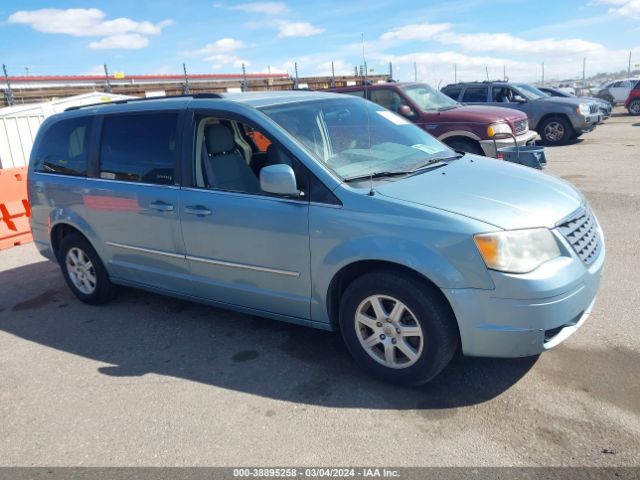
388	331
554	131
81	271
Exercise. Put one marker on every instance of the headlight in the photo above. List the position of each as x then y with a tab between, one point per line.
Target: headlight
517	251
495	128
583	109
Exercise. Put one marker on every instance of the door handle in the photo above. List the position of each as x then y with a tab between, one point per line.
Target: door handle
161	206
197	210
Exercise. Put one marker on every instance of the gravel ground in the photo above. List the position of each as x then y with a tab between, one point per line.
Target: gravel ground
153	381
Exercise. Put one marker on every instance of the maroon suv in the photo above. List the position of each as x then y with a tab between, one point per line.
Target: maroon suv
464	128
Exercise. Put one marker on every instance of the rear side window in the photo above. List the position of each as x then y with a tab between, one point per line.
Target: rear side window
356	93
139	148
475	94
63	149
387	99
453	92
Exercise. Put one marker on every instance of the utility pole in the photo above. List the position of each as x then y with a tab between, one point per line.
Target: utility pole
107	86
415	72
543	74
295	81
333	75
629	69
455	73
364	61
244	85
391	70
185	88
486	69
504	73
8	94
584	68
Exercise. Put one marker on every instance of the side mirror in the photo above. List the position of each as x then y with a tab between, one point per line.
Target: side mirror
519	99
406	111
279	179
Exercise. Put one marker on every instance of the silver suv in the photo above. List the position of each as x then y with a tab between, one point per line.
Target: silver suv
557	120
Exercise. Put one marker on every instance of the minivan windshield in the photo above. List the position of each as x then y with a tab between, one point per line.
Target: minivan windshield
355	138
428	98
530	92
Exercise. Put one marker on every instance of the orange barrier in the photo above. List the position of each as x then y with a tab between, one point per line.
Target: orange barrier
14	208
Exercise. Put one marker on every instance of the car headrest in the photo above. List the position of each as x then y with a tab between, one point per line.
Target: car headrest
218	139
276	156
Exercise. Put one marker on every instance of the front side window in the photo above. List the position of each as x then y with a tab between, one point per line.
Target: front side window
228	155
139	148
453	92
64	147
475	94
529	91
353	137
429	99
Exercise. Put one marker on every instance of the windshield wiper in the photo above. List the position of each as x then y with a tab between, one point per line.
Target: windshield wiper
381	174
435	162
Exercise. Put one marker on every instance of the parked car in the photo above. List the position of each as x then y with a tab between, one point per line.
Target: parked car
464	128
603	106
344	216
617	91
556	119
632	104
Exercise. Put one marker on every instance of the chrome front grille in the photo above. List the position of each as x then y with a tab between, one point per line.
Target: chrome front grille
581	231
521	126
593	108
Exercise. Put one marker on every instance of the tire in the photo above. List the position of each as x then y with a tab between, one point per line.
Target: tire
555	131
423	308
83	271
634	107
466	146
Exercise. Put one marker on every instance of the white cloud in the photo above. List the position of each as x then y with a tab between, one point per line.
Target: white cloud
297	29
504	42
340	67
267	8
222	60
127	41
415	31
91	22
223	45
627	8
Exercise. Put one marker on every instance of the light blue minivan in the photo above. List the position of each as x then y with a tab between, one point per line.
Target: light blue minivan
319	209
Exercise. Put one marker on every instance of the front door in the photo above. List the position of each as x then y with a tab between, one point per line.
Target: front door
133	202
244	247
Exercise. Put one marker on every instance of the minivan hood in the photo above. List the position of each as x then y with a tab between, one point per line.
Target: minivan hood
480	114
503	194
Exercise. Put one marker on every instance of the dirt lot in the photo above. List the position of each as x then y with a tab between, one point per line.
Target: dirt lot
155	381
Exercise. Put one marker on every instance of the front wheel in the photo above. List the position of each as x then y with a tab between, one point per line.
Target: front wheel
397	327
634	107
555	131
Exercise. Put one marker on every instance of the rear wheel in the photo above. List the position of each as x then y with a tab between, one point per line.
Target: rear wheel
397	328
83	271
555	131
634	107
467	146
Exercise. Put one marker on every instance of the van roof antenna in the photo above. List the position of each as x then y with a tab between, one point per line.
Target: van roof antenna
371	190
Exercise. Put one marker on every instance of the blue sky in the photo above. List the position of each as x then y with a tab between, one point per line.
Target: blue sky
157	36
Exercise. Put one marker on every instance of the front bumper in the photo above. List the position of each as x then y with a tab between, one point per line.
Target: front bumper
585	123
525	138
530	313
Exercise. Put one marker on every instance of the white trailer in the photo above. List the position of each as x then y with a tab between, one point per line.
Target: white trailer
19	124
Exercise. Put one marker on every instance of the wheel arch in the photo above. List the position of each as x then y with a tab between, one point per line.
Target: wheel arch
351	271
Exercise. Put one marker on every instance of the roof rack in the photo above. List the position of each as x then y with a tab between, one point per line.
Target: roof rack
129	100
